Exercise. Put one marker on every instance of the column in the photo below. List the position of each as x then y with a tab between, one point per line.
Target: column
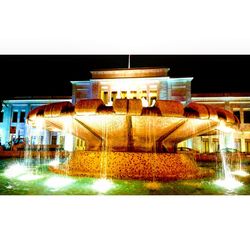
148	94
188	92
243	145
241	115
163	90
118	94
109	93
210	144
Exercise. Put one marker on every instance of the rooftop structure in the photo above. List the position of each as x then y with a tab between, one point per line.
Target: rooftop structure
150	84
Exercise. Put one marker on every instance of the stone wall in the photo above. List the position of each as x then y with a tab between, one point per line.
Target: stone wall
131	165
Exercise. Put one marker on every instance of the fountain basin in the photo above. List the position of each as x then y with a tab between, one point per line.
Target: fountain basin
127	126
133	165
129	141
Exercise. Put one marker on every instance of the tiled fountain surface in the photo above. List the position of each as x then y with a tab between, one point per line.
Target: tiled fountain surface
133	165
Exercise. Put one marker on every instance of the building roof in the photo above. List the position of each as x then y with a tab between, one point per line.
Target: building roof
39	97
227	94
129	73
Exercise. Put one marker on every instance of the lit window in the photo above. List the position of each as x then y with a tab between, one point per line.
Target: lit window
62	140
205	145
238	144
247	145
123	94
14	116
216	145
113	95
22	117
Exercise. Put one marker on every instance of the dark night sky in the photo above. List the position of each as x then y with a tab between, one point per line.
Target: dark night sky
39	75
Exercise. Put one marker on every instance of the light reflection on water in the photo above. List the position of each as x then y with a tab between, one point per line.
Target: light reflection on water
43	182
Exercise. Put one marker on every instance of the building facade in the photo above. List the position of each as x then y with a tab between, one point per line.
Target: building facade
147	84
239	104
13	118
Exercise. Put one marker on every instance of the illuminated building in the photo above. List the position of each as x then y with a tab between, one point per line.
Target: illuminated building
239	104
13	118
147	84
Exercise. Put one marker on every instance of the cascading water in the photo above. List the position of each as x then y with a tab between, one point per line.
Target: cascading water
27	169
58	182
150	142
104	184
238	171
226	179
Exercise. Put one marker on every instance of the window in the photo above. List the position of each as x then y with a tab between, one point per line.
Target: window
179	92
53	139
104	95
21	132
113	95
41	139
62	140
247	145
238	144
152	96
82	93
1	116
123	94
33	140
216	146
14	116
247	116
237	114
22	117
205	147
133	94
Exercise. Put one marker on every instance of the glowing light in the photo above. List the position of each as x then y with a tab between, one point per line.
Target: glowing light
102	185
54	163
58	182
153	185
224	128
15	170
29	177
240	173
69	142
144	102
229	183
39	123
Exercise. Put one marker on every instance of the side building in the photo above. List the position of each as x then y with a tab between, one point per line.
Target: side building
239	104
12	119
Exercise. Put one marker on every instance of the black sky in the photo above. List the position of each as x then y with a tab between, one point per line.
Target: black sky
41	75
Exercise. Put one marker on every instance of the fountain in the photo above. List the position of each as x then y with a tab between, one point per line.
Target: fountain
129	141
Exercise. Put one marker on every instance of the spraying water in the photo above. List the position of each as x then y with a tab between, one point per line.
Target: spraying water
226	180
